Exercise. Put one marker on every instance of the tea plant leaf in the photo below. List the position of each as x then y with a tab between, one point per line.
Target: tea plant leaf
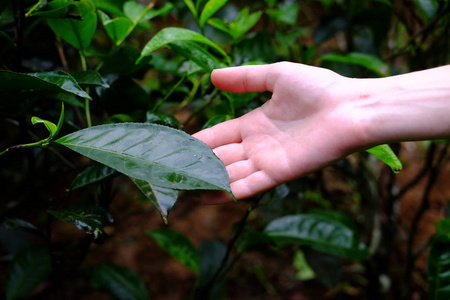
197	54
92	174
27	270
90	219
304	271
57	81
164	156
174	34
134	11
211	7
162	198
51	127
192	8
117	29
368	61
439	262
56	9
114	7
90	78
319	232
179	246
78	33
164	10
286	14
22	225
120	282
386	155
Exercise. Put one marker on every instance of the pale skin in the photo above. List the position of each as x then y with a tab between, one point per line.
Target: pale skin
316	117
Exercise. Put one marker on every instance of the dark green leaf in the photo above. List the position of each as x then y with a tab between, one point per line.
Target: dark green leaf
90	219
386	155
28	269
114	7
78	33
211	7
175	34
53	81
212	254
92	174
56	9
197	54
22	225
164	156
319	232
120	282
286	14
368	61
90	78
427	8
179	246
439	264
161	118
162	198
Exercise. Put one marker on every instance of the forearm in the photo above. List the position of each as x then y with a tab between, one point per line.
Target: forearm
414	106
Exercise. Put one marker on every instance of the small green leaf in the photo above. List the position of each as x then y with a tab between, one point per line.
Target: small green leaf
117	29
244	22
51	127
90	219
135	11
304	271
211	7
219	24
286	14
92	174
78	33
56	9
119	282
161	118
90	78
175	34
162	198
179	246
28	269
368	61
164	156
197	54
320	232
57	81
192	8
164	10
386	155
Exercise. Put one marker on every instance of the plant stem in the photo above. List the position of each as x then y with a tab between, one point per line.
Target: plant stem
87	104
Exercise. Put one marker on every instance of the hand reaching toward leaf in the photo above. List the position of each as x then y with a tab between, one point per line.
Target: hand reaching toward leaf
316	117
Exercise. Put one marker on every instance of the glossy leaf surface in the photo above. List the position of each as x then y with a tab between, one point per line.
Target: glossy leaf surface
211	7
20	224
118	28
76	32
191	7
162	198
57	81
120	282
164	156
92	174
368	61
320	232
197	54
386	155
174	34
90	219
51	127
179	246
27	270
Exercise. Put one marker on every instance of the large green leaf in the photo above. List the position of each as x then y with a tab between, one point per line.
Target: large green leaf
119	282
162	198
197	54
76	32
179	246
367	61
164	156
57	81
92	174
90	219
28	268
439	263
56	9
175	34
211	7
386	155
321	232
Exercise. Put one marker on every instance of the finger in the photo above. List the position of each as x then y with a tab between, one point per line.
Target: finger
255	183
221	134
244	79
241	169
231	153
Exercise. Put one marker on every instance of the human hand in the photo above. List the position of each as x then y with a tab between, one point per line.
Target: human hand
304	126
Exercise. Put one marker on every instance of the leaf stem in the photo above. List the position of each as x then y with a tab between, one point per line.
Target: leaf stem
32	9
87	104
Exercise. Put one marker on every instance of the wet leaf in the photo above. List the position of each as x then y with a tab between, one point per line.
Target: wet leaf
90	78
29	267
162	198
90	219
386	155
57	81
92	174
320	232
211	7
197	54
120	282
174	34
164	156
179	246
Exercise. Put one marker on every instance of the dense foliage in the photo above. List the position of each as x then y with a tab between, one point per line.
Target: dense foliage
97	100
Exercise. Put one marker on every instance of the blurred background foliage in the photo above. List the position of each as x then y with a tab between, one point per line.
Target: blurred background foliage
72	229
